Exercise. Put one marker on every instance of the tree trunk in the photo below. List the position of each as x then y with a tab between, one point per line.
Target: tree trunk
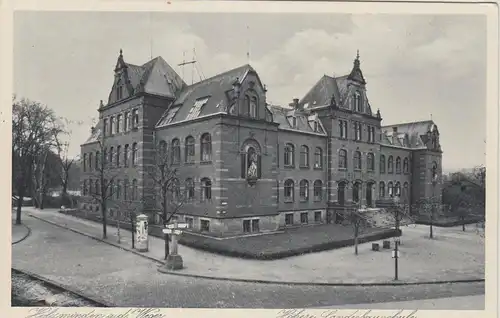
104	229
19	206
463	223
356	229
430	233
118	228
132	224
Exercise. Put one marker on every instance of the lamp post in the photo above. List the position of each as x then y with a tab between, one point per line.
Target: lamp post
434	183
396	238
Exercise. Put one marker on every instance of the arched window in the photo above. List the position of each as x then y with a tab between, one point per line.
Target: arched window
135	118
406	167
398	165
105	156
318	190
356	188
118	122
176	151
341	193
126	121
397	189
111	189
381	189
250	164
84	187
162	152
390	165
253	107
382	164
125	155
206	147
357	102
357	160
97	159
304	156
111	155
304	190
111	123
91	187
390	189
370	162
134	154
246	104
189	149
406	193
118	154
134	190
90	161
206	189
84	162
189	189
125	189
318	158
289	155
343	158
105	127
289	190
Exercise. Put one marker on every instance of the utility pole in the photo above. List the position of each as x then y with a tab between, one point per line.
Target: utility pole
396	239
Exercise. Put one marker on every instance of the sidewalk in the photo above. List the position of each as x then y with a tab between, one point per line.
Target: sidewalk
453	255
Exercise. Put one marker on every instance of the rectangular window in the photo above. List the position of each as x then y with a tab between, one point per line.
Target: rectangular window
317	216
189	221
357	131
125	121
246	226
105	127
205	225
304	218
289	219
255	225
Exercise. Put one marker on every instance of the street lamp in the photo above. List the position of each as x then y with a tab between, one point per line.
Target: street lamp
434	183
396	238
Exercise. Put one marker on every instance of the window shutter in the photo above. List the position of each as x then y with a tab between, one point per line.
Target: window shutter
243	165
259	169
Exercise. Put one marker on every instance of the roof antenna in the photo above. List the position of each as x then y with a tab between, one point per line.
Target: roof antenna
184	63
150	39
248	44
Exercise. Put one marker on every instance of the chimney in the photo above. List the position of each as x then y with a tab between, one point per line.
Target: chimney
394	135
295	103
92	129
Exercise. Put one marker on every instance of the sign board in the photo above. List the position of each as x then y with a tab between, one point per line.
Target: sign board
172	231
394	254
177	226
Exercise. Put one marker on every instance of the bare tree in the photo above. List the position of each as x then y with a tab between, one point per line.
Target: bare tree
132	207
167	197
104	189
359	223
66	163
34	129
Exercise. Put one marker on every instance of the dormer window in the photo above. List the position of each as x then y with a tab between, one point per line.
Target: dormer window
315	126
293	121
195	110
253	107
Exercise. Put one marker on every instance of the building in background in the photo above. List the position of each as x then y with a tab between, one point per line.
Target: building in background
248	166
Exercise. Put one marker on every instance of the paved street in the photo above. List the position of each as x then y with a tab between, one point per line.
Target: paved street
125	279
452	255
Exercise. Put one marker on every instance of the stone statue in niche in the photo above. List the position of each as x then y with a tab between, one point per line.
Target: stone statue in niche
252	164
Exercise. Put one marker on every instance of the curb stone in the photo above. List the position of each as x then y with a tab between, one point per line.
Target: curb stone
258	281
25	236
63	287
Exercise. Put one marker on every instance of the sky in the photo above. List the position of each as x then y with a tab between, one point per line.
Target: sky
417	67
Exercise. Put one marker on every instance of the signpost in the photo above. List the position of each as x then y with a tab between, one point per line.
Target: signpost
174	260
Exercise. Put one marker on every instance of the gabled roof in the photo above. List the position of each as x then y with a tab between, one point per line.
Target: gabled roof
155	77
216	88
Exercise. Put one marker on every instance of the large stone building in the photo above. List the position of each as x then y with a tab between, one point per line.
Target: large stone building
247	166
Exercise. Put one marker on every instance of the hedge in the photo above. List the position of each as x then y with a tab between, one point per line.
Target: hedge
230	247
